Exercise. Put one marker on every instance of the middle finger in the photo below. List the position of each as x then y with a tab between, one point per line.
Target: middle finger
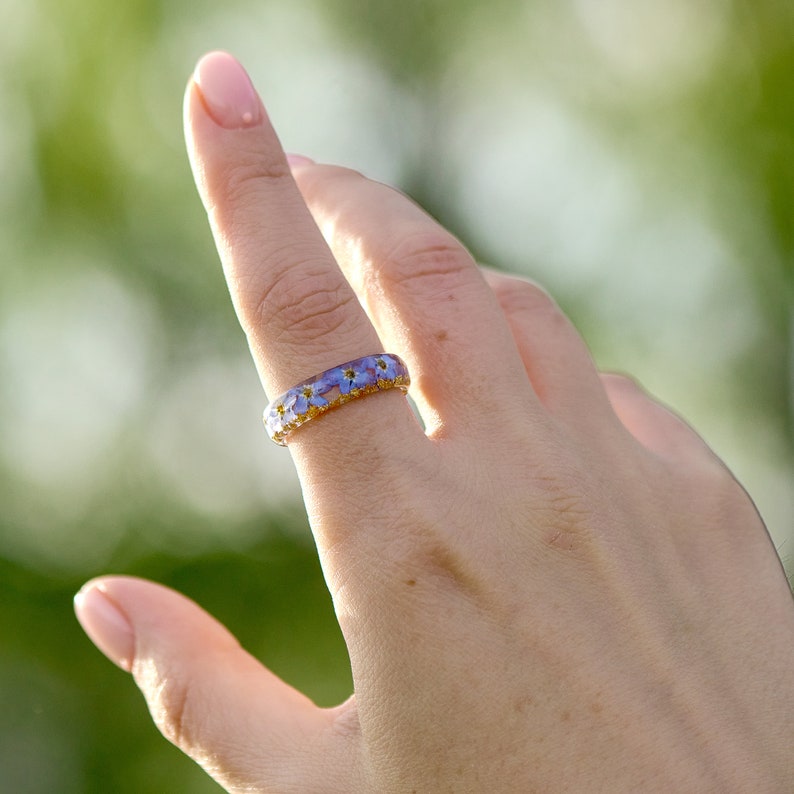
427	297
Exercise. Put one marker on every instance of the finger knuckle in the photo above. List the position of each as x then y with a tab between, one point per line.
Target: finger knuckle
304	304
431	262
249	178
521	298
238	191
173	705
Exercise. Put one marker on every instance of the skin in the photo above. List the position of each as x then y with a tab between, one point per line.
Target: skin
555	586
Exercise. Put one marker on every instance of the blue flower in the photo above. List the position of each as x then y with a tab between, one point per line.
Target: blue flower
354	376
311	394
385	367
282	412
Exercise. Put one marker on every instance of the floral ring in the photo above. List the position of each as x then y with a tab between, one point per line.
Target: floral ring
333	388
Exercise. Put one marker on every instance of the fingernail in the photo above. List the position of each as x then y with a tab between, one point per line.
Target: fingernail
106	625
296	160
228	94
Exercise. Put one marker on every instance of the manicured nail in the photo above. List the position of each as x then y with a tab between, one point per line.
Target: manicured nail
228	94
106	625
296	160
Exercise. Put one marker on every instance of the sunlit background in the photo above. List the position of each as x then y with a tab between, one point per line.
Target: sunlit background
636	157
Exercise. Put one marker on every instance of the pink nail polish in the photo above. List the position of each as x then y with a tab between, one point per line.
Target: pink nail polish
228	94
106	625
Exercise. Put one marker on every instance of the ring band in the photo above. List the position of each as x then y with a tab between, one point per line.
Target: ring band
332	388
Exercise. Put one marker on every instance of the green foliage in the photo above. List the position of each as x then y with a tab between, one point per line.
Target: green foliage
129	435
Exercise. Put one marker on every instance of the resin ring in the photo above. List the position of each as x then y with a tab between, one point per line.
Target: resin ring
333	388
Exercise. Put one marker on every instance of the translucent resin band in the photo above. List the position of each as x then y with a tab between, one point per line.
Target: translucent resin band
333	388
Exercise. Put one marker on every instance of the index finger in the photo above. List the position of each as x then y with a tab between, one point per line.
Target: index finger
299	313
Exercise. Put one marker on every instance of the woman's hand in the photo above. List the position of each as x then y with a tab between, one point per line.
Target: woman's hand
554	586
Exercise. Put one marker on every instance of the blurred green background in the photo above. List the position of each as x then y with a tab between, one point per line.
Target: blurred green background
636	157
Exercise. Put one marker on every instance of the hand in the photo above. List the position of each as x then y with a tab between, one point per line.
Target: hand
554	586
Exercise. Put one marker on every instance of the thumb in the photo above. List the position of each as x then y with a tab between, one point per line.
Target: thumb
242	724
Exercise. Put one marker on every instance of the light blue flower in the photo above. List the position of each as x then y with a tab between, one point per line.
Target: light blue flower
282	412
311	394
385	367
354	376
